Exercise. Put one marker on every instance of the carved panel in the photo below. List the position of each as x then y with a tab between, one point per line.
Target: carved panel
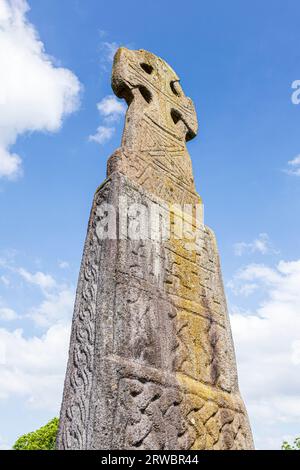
79	378
149	416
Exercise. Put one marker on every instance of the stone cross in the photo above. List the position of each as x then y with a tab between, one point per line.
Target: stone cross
159	121
151	360
155	98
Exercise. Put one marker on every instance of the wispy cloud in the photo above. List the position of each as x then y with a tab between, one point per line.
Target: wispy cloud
63	264
293	167
42	280
57	305
58	297
5	280
241	288
110	109
261	244
245	280
109	49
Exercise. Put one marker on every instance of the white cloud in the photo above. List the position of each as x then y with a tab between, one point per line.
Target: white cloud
295	161
111	108
103	135
58	302
268	349
254	276
55	308
58	298
34	367
34	94
261	245
10	163
7	314
42	280
296	352
241	288
294	167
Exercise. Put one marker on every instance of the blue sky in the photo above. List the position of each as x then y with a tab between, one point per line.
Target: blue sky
237	62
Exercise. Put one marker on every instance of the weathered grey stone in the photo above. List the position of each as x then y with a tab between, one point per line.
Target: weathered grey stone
151	361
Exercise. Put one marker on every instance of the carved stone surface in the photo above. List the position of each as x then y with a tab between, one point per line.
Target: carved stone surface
151	361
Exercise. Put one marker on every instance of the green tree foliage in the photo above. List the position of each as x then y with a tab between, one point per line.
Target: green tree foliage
42	439
294	446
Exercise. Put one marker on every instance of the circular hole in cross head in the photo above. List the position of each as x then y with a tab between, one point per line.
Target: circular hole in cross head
146	94
175	87
147	68
175	116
